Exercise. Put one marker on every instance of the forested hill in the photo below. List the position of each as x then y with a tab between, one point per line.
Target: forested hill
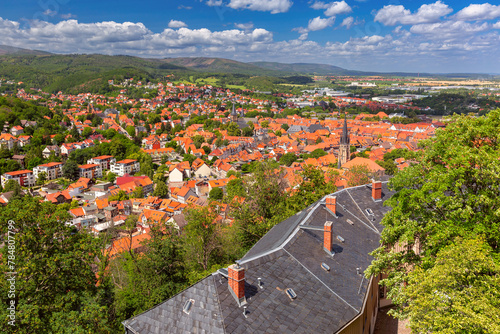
11	50
78	73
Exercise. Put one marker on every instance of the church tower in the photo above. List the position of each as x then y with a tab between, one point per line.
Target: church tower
234	115
345	145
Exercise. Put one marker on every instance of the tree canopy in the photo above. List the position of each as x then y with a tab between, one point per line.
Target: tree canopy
452	192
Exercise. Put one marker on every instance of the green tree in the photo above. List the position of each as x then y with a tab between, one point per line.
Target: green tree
70	170
111	177
235	187
216	194
151	278
452	191
56	286
161	190
358	175
87	132
317	153
42	177
202	238
459	294
137	193
233	129
130	130
288	158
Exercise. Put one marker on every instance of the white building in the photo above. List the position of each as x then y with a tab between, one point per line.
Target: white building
90	171
25	178
53	170
127	166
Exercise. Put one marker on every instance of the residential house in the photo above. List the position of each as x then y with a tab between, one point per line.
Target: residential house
25	178
200	169
52	170
7	141
90	171
127	166
16	130
50	149
104	160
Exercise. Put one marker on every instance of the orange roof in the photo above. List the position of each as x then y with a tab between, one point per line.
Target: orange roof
124	244
87	166
19	172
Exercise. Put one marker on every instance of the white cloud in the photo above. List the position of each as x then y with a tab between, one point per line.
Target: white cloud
432	47
67	16
319	24
214	3
49	12
474	12
273	6
391	14
347	22
448	29
244	26
333	8
176	24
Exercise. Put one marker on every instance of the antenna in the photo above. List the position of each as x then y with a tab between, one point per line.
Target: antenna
245	311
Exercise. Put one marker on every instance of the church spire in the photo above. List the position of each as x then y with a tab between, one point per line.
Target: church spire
345	145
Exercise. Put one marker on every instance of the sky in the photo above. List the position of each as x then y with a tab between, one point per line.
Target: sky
393	35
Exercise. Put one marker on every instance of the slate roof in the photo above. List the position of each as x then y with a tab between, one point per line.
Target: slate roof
288	256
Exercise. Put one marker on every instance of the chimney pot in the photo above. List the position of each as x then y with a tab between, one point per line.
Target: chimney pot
331	204
376	190
236	280
327	238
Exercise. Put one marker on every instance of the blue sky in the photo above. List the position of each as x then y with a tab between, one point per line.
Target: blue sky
393	35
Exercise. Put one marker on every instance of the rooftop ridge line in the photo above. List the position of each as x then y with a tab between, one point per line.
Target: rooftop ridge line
218	304
342	299
362	212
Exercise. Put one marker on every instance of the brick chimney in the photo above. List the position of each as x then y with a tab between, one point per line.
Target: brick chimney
376	190
331	204
236	280
327	238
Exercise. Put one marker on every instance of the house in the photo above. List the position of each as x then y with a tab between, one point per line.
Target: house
51	149
16	130
52	170
129	183
20	159
90	171
25	178
127	166
200	169
182	194
306	275
179	171
104	160
7	141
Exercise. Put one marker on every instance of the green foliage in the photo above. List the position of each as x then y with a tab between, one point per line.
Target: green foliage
148	280
161	190
216	194
55	283
459	294
70	170
288	159
121	196
358	175
202	238
317	153
451	192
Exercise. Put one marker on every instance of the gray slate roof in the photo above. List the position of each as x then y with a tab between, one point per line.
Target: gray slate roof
288	256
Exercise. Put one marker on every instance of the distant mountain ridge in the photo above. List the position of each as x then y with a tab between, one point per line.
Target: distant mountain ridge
11	50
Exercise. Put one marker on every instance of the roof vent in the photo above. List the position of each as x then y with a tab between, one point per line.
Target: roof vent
350	222
291	294
187	306
325	267
369	211
339	238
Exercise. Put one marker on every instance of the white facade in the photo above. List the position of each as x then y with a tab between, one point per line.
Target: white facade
53	170
25	178
127	166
